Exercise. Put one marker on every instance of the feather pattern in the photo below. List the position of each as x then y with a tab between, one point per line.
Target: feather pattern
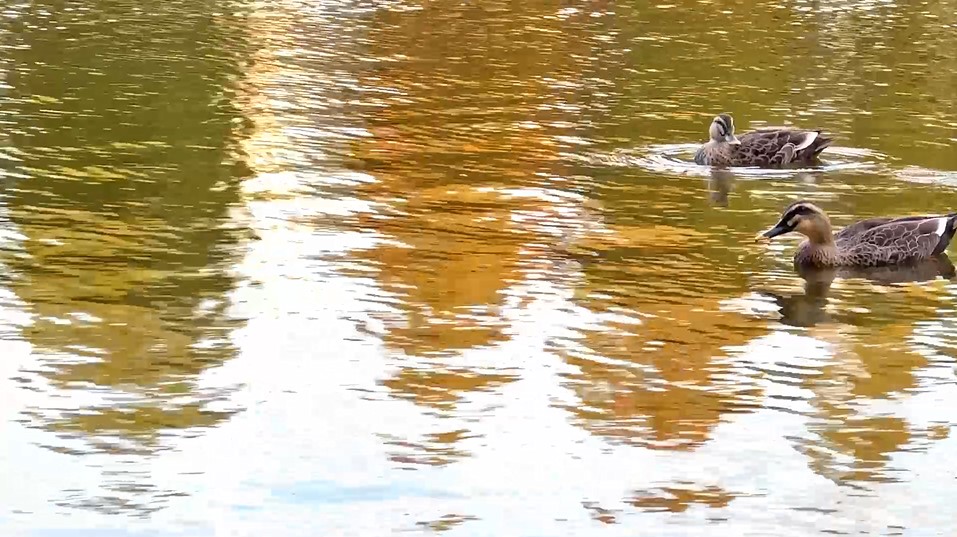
867	243
767	147
897	240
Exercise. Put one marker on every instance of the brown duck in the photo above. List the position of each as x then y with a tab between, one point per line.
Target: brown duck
868	243
769	147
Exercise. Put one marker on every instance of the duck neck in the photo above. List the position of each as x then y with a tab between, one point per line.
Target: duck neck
817	254
821	235
819	249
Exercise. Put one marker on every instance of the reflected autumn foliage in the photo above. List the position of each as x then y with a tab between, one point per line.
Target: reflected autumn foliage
871	358
850	449
679	498
676	498
436	449
468	183
847	444
452	255
655	371
467	129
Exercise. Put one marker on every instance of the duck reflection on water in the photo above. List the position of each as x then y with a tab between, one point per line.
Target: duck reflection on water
721	184
809	309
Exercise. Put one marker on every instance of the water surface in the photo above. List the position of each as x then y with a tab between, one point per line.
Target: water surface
393	267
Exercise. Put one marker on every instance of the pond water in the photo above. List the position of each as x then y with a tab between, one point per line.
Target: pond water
391	267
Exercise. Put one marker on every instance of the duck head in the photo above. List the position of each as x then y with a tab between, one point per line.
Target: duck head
805	218
722	129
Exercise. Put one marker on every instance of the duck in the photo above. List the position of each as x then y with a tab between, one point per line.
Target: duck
874	242
766	148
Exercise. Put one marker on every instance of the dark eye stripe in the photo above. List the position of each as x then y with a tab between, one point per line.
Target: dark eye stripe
797	211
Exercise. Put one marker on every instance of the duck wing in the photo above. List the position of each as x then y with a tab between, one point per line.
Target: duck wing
898	240
857	228
852	231
776	146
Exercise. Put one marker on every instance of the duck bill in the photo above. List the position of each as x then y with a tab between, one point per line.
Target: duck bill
732	139
780	229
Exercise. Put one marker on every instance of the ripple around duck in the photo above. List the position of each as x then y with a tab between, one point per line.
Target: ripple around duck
677	159
917	174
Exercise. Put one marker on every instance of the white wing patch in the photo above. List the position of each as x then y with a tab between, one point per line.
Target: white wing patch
809	138
942	226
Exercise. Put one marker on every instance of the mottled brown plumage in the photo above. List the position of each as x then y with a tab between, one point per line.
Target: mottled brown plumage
767	148
867	243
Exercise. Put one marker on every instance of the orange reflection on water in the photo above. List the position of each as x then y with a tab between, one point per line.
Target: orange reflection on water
472	192
852	445
679	498
451	254
446	164
660	379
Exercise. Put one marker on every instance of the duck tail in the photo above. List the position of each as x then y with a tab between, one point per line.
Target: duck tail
950	227
820	144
